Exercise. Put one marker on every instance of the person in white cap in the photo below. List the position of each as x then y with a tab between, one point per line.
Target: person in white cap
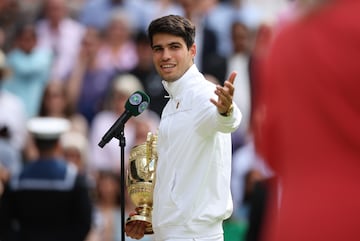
49	199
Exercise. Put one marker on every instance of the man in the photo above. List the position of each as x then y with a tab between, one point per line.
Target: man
310	132
48	200
192	191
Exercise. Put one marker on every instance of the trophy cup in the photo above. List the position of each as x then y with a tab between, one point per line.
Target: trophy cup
141	180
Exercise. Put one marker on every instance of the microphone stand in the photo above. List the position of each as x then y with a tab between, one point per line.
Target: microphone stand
135	105
122	143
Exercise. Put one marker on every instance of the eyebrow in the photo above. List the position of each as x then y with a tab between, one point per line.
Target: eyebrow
169	44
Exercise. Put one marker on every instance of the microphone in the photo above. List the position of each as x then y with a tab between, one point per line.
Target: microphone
135	105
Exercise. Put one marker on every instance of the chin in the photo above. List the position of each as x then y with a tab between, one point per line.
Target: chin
168	77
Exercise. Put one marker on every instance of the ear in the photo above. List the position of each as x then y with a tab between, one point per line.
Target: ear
192	50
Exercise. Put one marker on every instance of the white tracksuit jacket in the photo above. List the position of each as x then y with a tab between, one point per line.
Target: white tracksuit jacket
192	189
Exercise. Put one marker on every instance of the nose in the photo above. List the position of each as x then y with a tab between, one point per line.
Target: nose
166	54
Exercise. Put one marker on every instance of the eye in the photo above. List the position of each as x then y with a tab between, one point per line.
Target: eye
156	49
174	46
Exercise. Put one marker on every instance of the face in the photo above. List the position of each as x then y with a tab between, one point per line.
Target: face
74	156
55	10
171	57
91	42
239	38
27	40
108	188
54	102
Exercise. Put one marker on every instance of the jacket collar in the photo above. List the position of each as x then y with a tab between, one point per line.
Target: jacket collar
176	88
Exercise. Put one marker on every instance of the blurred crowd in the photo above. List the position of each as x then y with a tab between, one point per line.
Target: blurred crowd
82	59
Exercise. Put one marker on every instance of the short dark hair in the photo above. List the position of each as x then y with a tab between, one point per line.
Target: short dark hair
174	25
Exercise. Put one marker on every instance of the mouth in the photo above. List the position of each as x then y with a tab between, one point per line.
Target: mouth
167	67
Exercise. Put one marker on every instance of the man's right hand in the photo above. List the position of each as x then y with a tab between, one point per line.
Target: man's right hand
135	229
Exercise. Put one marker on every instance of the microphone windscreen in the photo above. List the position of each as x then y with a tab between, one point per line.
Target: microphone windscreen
137	103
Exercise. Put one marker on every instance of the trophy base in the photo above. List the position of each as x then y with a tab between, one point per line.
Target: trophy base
147	220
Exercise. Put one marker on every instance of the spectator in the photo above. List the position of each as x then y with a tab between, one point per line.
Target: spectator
118	51
30	69
62	34
207	58
87	83
55	103
217	17
239	60
75	149
10	16
248	12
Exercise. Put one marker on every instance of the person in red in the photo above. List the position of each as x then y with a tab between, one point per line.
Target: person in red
309	102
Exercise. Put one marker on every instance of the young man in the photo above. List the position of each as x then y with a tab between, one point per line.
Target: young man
192	191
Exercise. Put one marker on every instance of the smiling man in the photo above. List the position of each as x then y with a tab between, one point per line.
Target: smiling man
192	191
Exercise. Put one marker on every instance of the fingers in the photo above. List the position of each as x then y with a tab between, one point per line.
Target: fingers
232	77
230	83
135	229
225	94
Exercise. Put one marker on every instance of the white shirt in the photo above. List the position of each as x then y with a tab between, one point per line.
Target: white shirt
192	191
13	115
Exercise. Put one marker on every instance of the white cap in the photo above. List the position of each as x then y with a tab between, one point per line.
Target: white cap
127	84
48	128
75	140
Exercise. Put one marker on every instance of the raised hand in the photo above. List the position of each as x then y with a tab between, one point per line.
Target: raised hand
225	94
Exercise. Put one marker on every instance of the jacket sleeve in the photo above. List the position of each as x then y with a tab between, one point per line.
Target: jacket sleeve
209	120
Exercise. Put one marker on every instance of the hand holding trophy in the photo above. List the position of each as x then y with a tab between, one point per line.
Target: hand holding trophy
141	180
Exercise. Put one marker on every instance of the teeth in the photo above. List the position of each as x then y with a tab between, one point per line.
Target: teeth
168	66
